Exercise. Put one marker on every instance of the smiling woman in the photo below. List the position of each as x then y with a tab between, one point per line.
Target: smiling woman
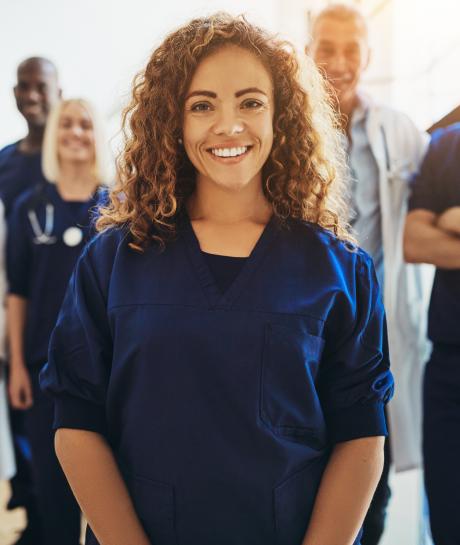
219	367
47	229
295	148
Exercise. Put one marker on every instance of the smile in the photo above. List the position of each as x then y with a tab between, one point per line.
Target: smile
229	152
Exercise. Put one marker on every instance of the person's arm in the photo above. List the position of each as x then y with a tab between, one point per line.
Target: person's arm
93	475
426	242
345	493
19	385
449	221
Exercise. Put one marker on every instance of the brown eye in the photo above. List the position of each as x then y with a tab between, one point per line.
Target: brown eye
252	104
201	107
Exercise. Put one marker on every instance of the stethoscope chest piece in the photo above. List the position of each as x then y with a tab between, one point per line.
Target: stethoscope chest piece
72	236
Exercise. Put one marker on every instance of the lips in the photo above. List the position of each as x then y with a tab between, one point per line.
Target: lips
229	154
31	109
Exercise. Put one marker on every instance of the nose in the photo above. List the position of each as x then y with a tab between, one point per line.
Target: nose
337	63
76	130
32	95
228	122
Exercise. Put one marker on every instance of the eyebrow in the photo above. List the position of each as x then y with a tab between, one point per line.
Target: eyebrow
211	94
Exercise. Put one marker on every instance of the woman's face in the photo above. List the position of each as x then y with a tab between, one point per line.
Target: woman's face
228	118
75	135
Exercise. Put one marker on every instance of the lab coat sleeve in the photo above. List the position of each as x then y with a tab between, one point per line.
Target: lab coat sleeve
18	251
355	380
80	353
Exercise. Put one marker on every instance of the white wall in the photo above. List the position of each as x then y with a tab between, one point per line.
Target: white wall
426	56
98	45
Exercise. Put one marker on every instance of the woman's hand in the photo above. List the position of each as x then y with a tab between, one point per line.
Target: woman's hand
20	387
450	220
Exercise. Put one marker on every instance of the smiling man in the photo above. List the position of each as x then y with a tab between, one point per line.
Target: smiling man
384	149
36	91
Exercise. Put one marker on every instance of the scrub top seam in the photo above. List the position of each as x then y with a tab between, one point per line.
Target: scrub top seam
213	309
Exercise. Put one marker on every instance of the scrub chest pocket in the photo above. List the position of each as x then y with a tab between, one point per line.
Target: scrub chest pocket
289	403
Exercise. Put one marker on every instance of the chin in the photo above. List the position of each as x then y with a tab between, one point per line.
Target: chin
231	183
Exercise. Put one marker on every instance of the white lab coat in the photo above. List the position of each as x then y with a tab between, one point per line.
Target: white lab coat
398	147
7	464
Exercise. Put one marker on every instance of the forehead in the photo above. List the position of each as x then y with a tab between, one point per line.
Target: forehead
74	110
230	69
37	72
339	32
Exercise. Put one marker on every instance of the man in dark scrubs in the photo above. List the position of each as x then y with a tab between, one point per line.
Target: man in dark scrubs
36	91
432	235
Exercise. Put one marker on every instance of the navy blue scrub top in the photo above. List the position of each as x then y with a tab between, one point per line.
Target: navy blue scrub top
18	172
40	272
222	409
437	188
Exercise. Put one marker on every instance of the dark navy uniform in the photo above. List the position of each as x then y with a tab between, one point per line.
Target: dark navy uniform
437	188
41	254
18	172
222	408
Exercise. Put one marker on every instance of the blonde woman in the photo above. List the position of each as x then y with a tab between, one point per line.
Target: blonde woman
219	367
48	227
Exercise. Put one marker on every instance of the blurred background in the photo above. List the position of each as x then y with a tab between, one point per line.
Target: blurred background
98	46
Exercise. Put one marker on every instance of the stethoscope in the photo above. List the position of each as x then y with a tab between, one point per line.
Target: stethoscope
72	236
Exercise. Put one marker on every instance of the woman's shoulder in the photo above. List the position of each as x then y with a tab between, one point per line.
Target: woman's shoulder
105	244
333	256
312	237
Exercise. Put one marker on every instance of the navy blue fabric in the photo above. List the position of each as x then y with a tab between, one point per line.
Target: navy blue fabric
58	510
18	172
222	409
40	272
441	442
224	269
437	188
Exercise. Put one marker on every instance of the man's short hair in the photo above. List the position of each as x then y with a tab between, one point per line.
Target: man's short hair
38	62
340	12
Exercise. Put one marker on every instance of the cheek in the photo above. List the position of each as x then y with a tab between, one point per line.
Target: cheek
265	130
193	133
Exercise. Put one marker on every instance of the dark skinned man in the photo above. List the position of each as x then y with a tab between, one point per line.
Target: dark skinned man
36	91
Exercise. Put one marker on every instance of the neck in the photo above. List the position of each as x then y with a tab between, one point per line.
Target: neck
32	143
213	203
76	181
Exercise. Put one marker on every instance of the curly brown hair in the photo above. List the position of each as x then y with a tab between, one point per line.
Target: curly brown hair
303	176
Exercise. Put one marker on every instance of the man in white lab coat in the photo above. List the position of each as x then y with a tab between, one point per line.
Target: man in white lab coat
384	149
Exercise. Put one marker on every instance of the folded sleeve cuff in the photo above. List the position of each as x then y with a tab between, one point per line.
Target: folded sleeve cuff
360	420
72	412
18	289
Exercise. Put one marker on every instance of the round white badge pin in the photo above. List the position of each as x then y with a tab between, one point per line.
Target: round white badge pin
72	236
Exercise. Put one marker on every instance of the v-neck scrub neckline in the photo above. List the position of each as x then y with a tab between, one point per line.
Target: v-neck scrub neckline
216	299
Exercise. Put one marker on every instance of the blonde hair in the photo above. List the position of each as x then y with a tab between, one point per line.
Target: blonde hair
50	159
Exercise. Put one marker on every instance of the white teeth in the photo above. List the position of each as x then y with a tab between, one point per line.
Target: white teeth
229	152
